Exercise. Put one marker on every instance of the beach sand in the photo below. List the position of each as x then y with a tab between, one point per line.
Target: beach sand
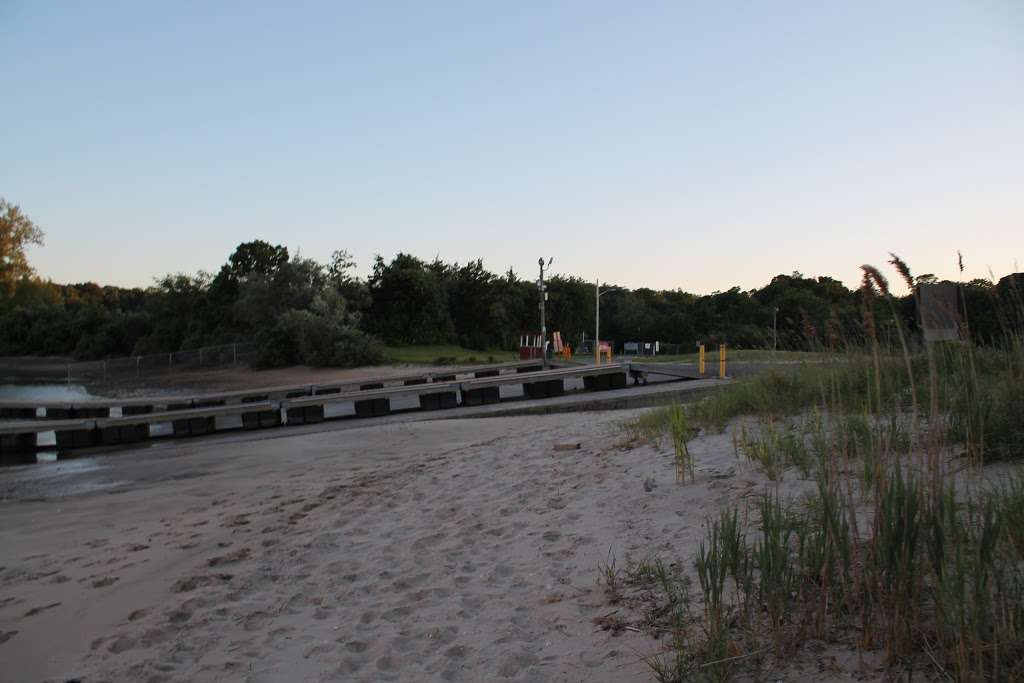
454	550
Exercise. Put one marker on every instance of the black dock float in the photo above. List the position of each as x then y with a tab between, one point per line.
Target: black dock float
18	413
110	436
195	426
605	382
17	443
544	389
301	415
442	400
76	438
136	410
261	419
373	407
478	397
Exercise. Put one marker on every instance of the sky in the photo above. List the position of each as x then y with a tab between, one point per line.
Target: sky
697	146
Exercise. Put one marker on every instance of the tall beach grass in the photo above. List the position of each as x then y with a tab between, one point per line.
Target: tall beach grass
903	548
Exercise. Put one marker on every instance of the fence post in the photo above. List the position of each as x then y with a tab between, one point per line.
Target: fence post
138	359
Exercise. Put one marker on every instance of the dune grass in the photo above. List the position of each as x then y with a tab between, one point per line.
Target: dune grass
445	355
895	550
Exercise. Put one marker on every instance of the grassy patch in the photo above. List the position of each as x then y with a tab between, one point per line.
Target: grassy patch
935	585
445	355
973	396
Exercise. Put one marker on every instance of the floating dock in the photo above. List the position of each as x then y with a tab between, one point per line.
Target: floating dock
84	424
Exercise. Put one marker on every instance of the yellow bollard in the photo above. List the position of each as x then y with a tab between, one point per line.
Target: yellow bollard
721	361
700	358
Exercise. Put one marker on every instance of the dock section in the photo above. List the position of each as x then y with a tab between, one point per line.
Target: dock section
85	424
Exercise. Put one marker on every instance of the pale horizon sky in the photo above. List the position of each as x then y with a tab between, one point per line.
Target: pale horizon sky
656	144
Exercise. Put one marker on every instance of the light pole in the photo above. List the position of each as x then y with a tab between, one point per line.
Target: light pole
597	319
542	289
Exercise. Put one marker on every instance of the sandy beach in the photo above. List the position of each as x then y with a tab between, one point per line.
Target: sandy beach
454	550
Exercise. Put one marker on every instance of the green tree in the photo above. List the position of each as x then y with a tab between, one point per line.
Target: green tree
409	305
17	231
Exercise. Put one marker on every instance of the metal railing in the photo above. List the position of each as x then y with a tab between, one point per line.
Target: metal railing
156	364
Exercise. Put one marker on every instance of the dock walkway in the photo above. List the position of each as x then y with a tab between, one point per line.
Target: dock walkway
104	422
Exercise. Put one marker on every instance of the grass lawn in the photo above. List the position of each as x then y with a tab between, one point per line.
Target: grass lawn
445	355
711	354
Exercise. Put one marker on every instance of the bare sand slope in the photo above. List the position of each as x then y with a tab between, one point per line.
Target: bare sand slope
457	550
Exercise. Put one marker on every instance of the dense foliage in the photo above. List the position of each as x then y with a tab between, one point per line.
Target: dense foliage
299	310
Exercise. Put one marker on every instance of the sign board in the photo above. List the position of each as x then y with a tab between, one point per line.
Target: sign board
938	309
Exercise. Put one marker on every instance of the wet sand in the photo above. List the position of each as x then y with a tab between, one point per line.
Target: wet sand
455	550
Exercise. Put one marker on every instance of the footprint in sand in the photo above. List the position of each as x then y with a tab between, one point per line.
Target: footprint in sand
6	635
350	665
179	616
255	621
122	644
318	650
105	581
37	610
386	663
515	663
236	556
193	582
356	646
237	520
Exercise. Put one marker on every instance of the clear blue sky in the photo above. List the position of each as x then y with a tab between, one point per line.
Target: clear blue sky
697	146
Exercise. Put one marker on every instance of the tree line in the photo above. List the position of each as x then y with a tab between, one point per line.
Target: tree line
298	310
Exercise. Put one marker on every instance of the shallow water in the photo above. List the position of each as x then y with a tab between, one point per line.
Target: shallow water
47	441
45	392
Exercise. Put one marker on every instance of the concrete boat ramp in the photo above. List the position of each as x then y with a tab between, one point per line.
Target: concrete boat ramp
523	387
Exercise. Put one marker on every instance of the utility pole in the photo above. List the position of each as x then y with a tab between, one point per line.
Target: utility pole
597	322
775	328
542	289
597	319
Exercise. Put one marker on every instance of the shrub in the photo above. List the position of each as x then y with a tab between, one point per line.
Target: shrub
302	337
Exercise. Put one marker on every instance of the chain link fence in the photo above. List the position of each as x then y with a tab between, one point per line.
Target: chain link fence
157	364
